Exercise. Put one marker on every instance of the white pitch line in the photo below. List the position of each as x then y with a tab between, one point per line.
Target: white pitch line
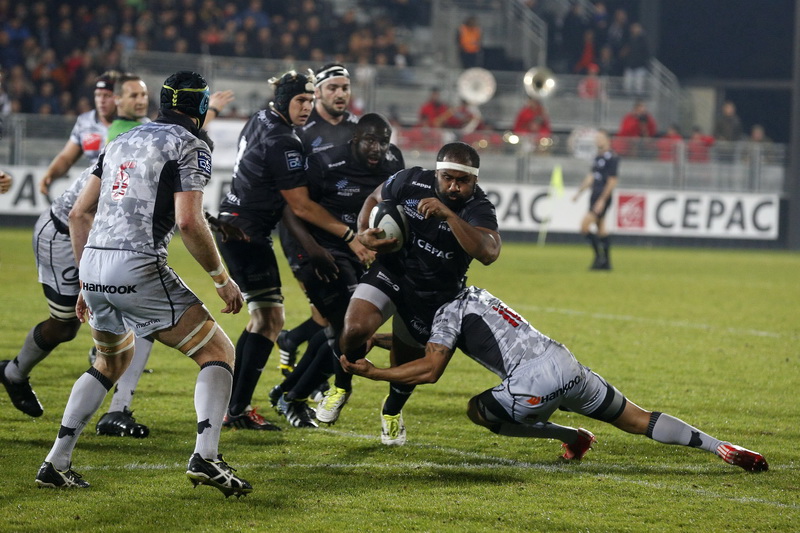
490	462
655	321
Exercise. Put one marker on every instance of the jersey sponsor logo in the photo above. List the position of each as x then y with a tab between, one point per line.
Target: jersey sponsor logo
384	278
316	142
294	160
536	400
141	325
91	142
109	289
431	249
204	161
420	327
337	164
122	180
422	185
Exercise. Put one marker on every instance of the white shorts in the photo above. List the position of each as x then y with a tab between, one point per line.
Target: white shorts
128	290
54	258
539	386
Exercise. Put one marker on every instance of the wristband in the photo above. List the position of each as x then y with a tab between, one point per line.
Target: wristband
217	272
220	285
214	109
349	235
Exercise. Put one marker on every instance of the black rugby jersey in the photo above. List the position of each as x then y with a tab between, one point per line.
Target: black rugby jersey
432	259
340	183
604	166
269	159
319	135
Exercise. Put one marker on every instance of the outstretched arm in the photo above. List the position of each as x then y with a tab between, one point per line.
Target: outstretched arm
425	370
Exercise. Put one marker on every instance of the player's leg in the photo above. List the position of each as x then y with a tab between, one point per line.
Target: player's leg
198	336
58	275
119	420
589	220
254	267
114	352
604	243
403	349
667	429
289	341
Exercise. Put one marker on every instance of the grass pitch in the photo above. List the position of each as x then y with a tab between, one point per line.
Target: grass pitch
709	336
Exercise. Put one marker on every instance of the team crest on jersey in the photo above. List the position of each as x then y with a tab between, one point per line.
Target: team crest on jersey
294	160
204	161
121	182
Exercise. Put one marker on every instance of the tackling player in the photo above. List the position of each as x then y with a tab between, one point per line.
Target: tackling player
539	375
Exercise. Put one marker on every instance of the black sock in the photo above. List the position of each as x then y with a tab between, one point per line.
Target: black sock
398	396
304	332
314	344
319	371
605	244
254	357
343	379
592	238
237	364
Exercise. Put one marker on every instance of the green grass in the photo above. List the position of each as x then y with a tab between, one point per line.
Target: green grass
709	336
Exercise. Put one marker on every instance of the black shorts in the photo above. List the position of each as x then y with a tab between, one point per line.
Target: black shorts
253	264
331	298
295	254
593	199
416	308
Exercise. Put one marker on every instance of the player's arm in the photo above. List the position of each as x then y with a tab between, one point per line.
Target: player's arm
481	243
428	369
322	261
190	220
60	165
81	215
304	207
585	184
216	103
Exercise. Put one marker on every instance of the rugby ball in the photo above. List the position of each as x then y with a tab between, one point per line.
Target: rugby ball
389	218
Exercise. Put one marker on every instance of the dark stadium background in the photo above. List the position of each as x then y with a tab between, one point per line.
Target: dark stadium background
741	47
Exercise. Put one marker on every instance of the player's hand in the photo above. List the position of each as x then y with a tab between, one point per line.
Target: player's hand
371	239
232	297
434	208
598	206
81	309
220	99
324	264
44	185
229	232
365	254
5	182
362	367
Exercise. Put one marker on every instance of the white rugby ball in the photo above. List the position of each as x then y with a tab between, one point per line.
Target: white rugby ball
390	218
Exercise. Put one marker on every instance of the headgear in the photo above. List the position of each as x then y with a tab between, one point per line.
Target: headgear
187	92
106	80
287	87
331	70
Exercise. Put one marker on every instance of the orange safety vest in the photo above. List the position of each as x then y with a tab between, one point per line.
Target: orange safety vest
469	38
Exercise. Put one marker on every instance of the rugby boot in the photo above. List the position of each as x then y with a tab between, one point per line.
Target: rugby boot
21	394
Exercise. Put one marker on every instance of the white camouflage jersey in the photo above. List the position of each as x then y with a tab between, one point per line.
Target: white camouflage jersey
90	134
140	172
488	331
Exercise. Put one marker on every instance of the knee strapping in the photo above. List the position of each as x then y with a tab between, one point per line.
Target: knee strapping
115	348
197	338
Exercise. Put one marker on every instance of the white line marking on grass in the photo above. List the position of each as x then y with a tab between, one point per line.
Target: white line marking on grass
656	321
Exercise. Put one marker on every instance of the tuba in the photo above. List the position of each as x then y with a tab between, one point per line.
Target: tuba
476	86
539	82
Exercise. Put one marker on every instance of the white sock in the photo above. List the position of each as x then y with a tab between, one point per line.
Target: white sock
126	386
85	399
670	430
211	396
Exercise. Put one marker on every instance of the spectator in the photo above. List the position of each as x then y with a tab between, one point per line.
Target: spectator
638	123
758	135
433	112
728	126
533	118
698	146
618	32
469	42
636	59
572	32
587	56
607	63
590	85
